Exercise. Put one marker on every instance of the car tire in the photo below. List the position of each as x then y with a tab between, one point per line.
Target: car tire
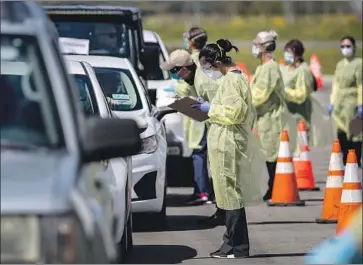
122	249
129	238
159	220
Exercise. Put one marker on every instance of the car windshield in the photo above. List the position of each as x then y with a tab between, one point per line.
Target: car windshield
86	95
28	113
104	38
119	88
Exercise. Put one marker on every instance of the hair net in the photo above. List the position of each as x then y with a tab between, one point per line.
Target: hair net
267	36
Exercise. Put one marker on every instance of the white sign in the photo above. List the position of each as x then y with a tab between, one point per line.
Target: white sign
74	46
120	96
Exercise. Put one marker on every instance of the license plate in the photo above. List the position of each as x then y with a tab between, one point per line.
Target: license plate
173	151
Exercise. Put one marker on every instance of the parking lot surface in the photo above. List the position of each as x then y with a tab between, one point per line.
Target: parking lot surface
277	234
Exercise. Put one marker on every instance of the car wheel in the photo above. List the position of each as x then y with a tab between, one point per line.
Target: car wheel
159	220
129	240
122	248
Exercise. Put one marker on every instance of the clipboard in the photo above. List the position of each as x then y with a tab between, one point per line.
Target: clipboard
356	126
184	106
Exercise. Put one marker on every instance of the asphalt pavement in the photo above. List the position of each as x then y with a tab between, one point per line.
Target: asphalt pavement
277	234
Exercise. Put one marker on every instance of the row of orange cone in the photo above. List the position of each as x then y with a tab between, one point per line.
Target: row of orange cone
343	193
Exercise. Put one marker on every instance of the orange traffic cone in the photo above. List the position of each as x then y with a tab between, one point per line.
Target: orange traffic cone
243	68
285	192
302	164
351	199
315	68
282	64
334	186
302	134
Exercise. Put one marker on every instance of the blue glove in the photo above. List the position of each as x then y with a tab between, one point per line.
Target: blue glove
330	109
169	89
360	111
200	100
204	107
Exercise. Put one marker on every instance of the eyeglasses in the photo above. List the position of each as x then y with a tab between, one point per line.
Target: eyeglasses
345	46
175	70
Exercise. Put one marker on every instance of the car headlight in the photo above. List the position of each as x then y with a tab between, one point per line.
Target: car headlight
149	145
20	239
62	235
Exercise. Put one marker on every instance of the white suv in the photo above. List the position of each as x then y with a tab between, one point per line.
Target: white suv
128	98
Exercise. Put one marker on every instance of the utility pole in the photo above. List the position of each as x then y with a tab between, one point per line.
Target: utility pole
196	13
289	11
356	6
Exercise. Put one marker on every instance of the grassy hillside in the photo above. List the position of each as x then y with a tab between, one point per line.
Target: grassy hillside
308	28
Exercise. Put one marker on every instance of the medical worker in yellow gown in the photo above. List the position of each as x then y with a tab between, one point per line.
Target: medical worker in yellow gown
299	82
197	84
346	97
230	146
195	132
267	97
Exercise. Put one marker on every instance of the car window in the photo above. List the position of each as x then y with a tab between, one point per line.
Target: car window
28	113
105	38
145	92
119	88
87	98
157	73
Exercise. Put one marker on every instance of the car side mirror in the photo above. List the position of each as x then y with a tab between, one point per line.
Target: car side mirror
150	60
162	111
110	138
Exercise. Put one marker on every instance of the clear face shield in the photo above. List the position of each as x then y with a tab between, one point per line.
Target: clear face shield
209	70
256	48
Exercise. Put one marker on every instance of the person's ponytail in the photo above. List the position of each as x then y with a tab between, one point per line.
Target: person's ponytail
226	45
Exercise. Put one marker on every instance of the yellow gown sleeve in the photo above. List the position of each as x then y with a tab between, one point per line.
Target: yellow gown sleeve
232	108
184	89
302	88
335	88
264	86
358	76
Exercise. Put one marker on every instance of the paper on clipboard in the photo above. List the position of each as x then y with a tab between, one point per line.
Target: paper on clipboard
184	106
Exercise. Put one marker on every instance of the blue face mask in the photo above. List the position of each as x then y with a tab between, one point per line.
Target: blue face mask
186	45
288	58
175	76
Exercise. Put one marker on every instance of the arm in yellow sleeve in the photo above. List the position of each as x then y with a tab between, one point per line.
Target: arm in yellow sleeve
233	107
264	87
184	89
334	89
302	89
358	76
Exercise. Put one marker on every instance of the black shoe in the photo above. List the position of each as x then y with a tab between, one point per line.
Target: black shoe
267	197
230	255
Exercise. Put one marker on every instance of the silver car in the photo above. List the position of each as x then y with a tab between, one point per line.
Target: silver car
53	201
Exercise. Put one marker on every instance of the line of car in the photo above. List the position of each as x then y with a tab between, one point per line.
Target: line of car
82	145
